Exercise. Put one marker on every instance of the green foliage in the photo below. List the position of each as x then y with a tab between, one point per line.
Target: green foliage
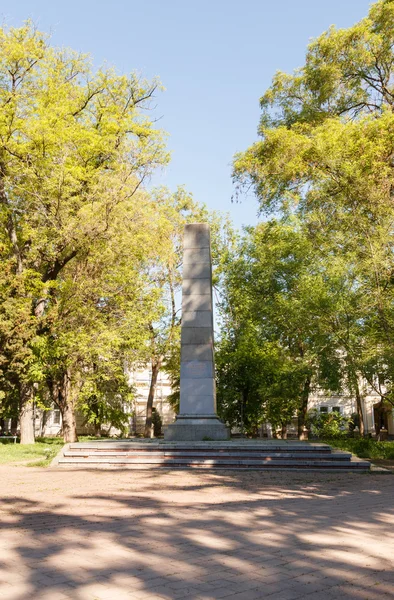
323	166
275	341
82	245
347	73
104	395
172	367
327	425
365	448
157	424
238	361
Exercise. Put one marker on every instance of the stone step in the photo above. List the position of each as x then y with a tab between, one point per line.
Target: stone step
236	455
138	455
219	448
210	464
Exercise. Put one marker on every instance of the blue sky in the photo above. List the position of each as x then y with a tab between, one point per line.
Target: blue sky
215	59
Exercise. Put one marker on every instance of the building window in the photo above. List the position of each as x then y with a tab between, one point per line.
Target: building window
143	376
56	417
336	409
323	409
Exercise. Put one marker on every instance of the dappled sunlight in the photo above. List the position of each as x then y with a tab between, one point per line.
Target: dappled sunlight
350	556
232	562
101	535
207	540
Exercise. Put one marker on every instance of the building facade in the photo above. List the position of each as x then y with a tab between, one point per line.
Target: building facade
48	423
376	415
140	379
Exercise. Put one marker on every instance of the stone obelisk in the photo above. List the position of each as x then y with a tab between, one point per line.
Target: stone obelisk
197	418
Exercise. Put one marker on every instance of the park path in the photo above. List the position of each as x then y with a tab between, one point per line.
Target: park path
115	535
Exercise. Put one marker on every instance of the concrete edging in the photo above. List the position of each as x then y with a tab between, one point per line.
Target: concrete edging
59	455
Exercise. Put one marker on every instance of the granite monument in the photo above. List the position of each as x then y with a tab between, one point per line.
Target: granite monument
197	418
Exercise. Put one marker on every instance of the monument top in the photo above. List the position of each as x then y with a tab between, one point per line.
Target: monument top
196	235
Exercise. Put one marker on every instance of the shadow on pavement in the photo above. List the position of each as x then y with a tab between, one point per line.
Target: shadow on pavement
102	535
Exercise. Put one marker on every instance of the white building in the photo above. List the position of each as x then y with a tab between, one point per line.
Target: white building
376	415
48	422
140	379
375	418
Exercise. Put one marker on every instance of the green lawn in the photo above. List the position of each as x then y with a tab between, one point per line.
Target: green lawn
365	448
39	454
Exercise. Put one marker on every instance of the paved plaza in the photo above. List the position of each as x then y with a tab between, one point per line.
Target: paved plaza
115	535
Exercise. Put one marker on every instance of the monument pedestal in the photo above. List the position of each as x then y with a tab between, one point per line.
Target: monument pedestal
197	419
188	428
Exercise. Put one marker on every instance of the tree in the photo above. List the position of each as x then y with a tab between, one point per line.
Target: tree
98	320
240	371
105	395
326	155
75	147
275	293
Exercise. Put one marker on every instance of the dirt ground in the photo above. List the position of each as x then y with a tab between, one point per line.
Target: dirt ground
114	535
387	464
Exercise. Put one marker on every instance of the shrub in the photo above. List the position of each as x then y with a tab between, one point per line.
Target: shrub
366	448
327	425
157	424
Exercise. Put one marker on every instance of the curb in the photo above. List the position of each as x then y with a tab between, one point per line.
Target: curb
59	455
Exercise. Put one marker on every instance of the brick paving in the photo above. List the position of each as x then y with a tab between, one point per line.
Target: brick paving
121	535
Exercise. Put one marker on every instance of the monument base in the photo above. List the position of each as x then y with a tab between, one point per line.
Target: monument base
196	428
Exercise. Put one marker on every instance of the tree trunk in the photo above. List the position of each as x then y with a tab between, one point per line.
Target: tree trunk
97	429
61	396
302	411
156	364
359	409
284	432
244	401
26	413
68	412
14	425
69	423
43	423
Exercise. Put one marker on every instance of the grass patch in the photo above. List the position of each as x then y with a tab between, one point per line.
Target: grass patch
39	454
364	448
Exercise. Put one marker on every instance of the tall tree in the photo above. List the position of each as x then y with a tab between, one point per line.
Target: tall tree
326	154
275	293
74	146
97	320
